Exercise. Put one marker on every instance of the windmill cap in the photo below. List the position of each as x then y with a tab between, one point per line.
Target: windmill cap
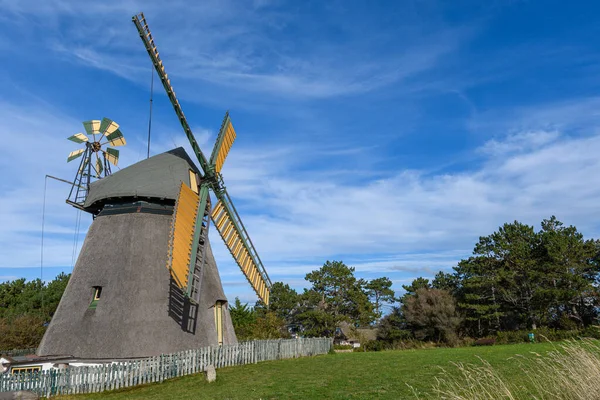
158	177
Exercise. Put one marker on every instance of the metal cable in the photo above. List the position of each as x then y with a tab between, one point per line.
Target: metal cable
76	238
42	246
150	117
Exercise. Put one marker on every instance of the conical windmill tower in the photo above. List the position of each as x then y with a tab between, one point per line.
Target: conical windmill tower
121	301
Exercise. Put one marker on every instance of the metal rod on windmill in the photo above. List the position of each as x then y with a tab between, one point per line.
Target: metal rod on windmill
192	208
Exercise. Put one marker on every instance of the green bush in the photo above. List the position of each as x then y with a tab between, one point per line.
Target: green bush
510	337
545	334
466	341
379	345
566	323
553	335
25	331
592	331
414	344
342	347
489	341
393	335
373	345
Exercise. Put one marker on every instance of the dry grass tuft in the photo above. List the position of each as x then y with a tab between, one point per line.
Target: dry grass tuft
571	371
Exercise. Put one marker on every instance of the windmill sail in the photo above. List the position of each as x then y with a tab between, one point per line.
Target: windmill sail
223	145
233	233
116	138
108	126
75	154
112	156
182	235
92	127
78	138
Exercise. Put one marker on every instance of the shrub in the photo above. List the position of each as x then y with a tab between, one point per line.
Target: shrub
390	335
553	335
490	341
432	315
411	344
466	341
592	331
342	347
372	345
541	334
25	331
379	345
510	337
566	323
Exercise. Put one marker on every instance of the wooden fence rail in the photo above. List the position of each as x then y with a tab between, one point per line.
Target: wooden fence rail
116	375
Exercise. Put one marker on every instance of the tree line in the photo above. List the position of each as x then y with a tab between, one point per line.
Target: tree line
335	296
516	279
26	308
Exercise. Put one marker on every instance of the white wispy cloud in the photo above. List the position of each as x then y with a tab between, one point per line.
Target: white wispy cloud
527	176
234	45
519	142
404	223
573	115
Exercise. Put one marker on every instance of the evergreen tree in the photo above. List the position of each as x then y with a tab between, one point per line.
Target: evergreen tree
26	308
380	291
243	318
341	293
570	273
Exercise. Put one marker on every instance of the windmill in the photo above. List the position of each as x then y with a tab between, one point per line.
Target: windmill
187	237
96	156
121	301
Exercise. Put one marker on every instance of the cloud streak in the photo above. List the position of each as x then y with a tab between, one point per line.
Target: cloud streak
235	46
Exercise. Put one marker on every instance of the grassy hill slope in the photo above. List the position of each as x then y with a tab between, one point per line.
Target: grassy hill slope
375	375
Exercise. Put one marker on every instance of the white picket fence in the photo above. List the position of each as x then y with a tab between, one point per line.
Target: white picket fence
118	375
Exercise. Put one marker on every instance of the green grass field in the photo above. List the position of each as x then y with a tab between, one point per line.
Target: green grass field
374	375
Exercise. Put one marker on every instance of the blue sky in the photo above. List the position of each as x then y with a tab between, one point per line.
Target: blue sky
389	135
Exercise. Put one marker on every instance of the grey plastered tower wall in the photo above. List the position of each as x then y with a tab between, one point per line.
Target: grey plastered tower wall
141	312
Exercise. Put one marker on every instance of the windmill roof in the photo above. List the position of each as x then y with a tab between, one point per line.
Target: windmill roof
349	332
157	177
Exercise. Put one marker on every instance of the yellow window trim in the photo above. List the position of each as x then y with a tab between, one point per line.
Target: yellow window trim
32	368
193	181
219	321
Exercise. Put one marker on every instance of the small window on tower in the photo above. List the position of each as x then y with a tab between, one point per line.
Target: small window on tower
97	293
193	181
